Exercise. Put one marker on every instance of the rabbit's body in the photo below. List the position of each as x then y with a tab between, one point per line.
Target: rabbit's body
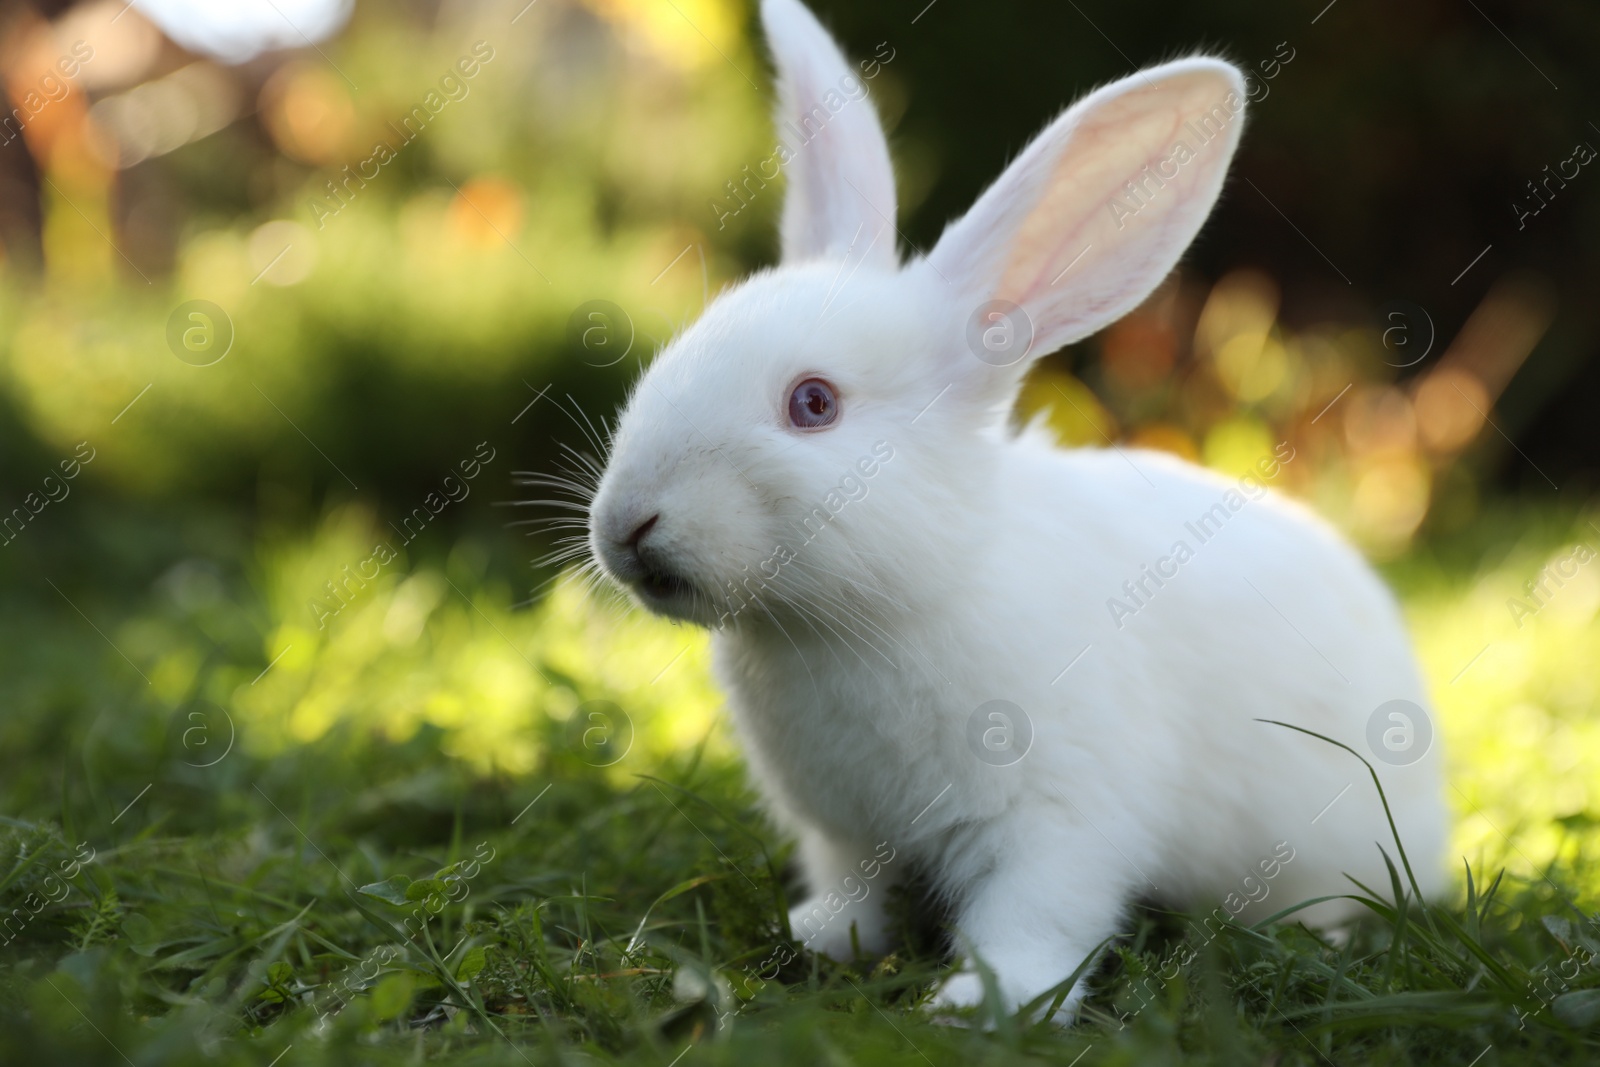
821	469
1147	768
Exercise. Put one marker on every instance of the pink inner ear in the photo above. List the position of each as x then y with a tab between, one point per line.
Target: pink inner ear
1098	209
1069	217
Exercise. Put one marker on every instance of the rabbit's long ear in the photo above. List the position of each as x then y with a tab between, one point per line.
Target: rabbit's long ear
1096	211
841	186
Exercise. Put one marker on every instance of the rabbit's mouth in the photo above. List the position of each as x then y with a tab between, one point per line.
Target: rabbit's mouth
661	586
664	593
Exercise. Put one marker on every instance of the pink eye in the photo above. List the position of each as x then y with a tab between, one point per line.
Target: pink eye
813	404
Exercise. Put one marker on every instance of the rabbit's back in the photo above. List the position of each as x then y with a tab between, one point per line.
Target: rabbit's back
1190	606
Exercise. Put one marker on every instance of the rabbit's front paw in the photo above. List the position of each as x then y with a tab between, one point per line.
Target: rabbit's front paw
959	992
964	990
829	934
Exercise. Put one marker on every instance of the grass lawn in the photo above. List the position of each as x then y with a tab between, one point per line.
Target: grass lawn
445	828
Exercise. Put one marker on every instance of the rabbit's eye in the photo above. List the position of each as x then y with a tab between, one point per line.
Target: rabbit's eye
813	404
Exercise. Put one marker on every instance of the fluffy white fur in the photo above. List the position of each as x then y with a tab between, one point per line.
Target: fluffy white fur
978	562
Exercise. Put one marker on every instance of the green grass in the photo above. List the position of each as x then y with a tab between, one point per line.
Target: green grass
626	926
350	892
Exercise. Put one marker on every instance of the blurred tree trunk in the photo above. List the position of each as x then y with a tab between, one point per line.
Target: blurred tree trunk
20	215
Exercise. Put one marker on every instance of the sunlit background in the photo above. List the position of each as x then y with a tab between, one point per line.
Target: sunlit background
389	311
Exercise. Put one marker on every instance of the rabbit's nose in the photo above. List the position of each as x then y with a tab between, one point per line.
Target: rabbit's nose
639	532
623	539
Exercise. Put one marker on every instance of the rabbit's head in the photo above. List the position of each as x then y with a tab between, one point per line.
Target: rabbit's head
825	435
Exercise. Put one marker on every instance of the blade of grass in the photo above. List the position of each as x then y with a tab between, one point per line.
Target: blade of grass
1382	796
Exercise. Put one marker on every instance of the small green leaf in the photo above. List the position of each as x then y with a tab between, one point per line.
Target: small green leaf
141	934
471	964
277	976
393	890
427	887
392	995
1579	1009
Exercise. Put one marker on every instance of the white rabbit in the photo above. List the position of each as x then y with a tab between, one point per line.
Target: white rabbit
821	469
